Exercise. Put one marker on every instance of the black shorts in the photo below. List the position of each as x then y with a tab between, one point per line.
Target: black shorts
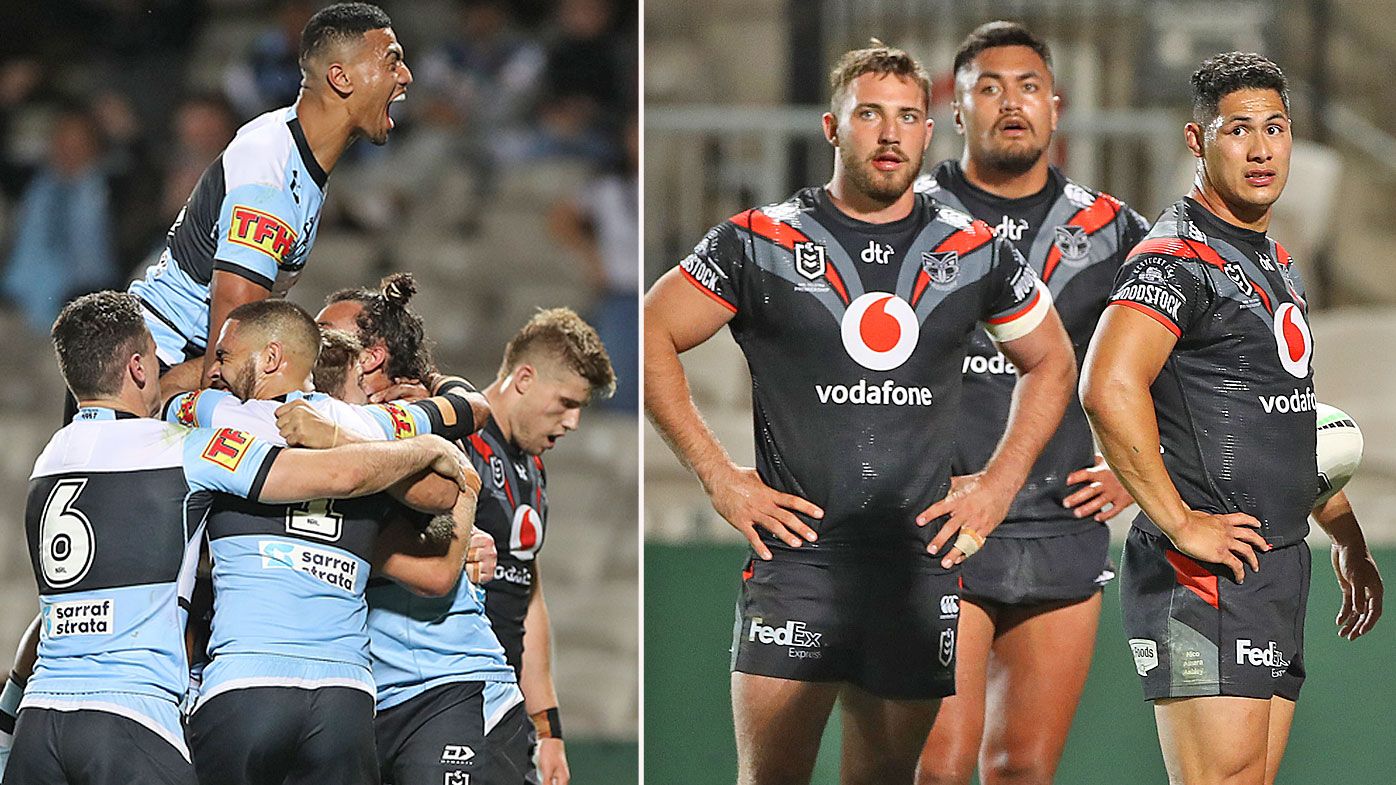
861	621
443	736
277	735
58	747
1194	631
1037	570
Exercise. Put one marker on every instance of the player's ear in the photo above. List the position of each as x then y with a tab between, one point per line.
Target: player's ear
930	129
339	80
1192	136
135	368
271	357
373	358
831	129
523	377
1056	110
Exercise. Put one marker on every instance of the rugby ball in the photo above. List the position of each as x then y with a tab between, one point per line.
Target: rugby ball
1339	450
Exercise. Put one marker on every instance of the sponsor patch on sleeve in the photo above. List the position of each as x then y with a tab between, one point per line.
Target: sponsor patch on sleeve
188	406
404	427
261	231
226	448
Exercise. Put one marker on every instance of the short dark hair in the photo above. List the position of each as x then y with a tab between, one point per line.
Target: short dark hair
289	322
559	334
992	35
878	58
1223	74
385	317
93	337
339	23
338	351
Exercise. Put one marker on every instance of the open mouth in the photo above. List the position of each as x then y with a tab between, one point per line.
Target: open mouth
1260	177
1013	127
888	160
400	97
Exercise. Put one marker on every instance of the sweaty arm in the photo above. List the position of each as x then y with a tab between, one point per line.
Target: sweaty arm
977	503
426	564
1127	353
678	316
226	292
1354	566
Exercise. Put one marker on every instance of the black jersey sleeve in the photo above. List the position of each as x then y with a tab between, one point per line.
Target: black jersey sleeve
1017	299
1134	227
1173	291
717	264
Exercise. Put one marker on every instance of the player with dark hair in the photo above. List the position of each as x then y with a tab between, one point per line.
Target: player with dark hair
288	635
392	335
854	304
1034	592
1199	387
246	232
116	508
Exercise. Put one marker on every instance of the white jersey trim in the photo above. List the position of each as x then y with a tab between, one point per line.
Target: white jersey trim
1026	320
64	704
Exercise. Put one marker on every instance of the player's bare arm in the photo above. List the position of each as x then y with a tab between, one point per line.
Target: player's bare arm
1126	354
1353	564
428	565
979	502
362	469
677	318
226	292
536	683
302	425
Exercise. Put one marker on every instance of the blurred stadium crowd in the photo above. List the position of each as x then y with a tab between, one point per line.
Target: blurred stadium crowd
509	184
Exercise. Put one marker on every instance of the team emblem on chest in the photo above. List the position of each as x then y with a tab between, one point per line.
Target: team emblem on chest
809	259
942	268
1238	277
1073	243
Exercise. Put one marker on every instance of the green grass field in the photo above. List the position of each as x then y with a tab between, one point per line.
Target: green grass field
1343	731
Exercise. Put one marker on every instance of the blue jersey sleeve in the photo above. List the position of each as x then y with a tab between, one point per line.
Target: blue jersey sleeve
194	409
447	415
229	461
400	420
256	232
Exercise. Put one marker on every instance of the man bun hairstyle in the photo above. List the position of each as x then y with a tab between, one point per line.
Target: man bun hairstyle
1223	74
877	58
385	317
992	35
338	24
94	336
561	336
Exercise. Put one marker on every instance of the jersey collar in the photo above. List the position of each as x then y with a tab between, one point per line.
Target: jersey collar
312	166
89	413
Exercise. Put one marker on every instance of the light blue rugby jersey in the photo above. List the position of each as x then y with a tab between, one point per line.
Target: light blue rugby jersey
254	212
289	580
116	506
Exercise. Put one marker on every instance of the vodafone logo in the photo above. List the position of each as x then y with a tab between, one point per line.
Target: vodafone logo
880	331
1293	339
526	533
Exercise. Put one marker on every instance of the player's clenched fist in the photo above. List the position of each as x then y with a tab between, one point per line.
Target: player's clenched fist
481	557
746	502
1230	540
302	425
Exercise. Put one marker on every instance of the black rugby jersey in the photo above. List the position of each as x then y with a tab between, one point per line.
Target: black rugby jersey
513	510
1235	399
855	334
1075	239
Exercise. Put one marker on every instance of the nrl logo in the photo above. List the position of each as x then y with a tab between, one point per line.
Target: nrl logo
1238	277
941	267
1074	244
809	259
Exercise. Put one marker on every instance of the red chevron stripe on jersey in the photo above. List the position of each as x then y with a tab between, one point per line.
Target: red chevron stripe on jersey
1191	249
785	236
963	242
481	446
1092	219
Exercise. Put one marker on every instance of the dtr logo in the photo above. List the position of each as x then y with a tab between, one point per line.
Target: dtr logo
1293	339
879	331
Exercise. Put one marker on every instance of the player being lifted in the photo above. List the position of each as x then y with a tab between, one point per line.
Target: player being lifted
288	693
1034	592
246	232
115	513
854	304
1205	331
